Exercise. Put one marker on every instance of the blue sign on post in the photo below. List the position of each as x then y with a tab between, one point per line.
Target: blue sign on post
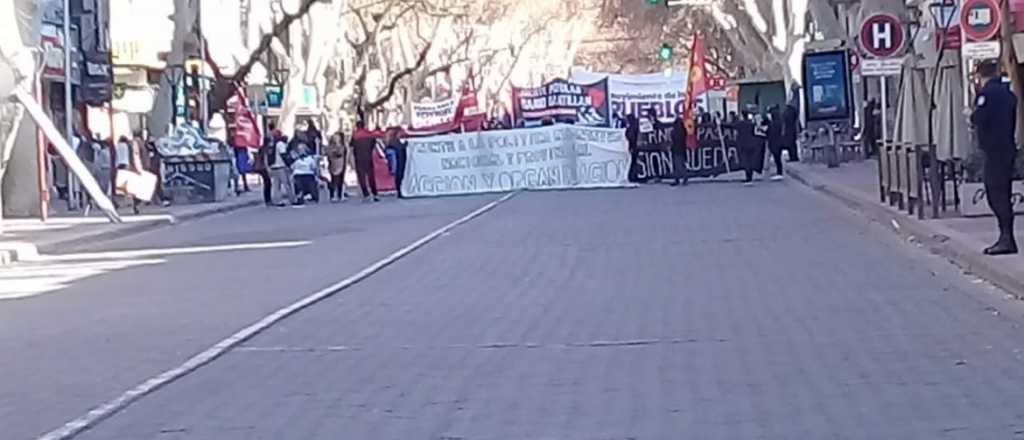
827	86
275	96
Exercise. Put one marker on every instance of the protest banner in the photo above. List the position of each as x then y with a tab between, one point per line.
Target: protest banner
636	94
434	114
715	154
550	157
584	104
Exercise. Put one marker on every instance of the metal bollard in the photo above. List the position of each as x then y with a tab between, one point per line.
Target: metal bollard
831	149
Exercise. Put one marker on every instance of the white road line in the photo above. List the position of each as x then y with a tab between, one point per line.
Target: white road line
99	413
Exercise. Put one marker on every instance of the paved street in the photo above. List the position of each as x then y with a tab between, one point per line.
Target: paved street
712	311
100	323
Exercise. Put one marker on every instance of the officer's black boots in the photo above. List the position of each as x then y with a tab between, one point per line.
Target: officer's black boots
1006	245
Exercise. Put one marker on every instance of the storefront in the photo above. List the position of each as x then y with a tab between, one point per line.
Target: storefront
52	90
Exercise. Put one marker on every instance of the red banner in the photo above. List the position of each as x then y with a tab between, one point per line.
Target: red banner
696	85
245	132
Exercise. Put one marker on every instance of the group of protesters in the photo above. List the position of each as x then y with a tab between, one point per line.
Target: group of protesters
105	159
292	169
776	130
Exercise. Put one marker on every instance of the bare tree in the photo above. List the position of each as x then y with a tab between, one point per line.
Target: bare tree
185	43
17	70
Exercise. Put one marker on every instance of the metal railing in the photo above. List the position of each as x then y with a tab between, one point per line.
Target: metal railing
910	177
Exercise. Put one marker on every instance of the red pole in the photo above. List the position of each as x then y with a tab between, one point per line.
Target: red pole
41	166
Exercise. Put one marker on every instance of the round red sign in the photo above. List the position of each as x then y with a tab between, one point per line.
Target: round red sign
882	35
980	19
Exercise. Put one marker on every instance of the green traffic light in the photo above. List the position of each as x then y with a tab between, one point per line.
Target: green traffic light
665	52
653	2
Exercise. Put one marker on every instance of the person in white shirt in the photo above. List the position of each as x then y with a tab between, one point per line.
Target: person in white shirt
281	173
101	165
124	153
123	150
304	172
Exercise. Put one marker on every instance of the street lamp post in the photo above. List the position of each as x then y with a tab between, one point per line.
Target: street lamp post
204	100
69	111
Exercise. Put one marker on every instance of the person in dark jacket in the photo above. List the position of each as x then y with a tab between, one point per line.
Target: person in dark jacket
791	124
632	142
363	146
750	140
678	150
870	132
776	141
261	166
314	138
397	153
994	121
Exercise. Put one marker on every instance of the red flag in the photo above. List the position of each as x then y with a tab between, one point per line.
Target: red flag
696	85
244	129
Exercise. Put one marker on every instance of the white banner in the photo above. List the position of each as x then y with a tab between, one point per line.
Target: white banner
433	114
637	94
550	157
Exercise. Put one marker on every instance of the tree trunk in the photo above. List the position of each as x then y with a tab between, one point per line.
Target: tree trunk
18	39
293	87
163	108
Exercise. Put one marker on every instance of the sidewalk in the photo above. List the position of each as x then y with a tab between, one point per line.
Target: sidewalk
25	238
959	239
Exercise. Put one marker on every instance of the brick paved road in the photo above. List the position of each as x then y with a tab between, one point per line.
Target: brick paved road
707	312
106	324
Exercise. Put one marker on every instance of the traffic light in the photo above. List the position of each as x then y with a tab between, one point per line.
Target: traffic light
653	2
665	52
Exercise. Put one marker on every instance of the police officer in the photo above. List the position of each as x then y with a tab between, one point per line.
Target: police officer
994	117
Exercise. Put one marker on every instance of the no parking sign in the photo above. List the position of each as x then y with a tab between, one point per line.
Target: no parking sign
980	19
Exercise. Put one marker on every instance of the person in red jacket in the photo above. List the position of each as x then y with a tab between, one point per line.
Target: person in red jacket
363	145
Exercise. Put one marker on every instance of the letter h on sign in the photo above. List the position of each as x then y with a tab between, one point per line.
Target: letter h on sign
881	36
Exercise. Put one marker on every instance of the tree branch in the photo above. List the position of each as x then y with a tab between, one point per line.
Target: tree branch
518	54
393	82
278	29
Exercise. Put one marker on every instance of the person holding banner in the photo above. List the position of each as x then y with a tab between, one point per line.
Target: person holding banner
632	141
750	140
678	150
364	144
396	150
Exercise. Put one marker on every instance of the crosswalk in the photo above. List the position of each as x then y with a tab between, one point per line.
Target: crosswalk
28	279
49	273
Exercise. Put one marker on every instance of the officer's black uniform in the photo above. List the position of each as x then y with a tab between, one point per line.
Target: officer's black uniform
994	120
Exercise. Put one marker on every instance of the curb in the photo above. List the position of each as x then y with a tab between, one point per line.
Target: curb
13	251
138	228
938	239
